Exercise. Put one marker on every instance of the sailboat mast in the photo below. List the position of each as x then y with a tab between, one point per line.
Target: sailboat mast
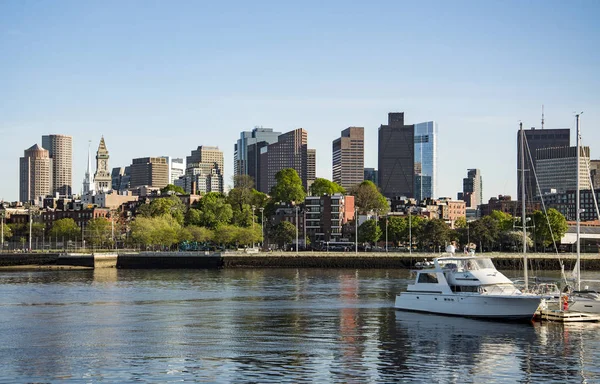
577	205
523	206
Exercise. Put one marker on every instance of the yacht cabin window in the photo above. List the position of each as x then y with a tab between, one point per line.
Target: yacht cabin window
430	278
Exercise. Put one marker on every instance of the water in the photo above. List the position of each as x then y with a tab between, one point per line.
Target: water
268	325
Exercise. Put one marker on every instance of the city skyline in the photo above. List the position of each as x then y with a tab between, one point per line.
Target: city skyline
477	70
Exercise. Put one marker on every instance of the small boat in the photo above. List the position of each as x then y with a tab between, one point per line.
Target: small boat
467	286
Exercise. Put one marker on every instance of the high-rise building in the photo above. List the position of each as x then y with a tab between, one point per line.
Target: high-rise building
246	157
290	151
311	167
425	162
348	157
35	174
396	157
102	177
536	139
556	169
371	174
595	173
149	171
472	193
176	168
204	171
60	148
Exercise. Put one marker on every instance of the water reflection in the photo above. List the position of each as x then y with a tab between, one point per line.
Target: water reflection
264	326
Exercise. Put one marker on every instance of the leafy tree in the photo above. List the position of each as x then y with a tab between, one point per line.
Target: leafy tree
214	210
396	227
435	233
171	205
513	240
485	232
369	232
98	232
192	217
461	222
200	234
550	227
322	187
288	187
243	182
504	220
224	234
7	233
246	236
283	233
153	231
173	189
369	199
243	217
65	228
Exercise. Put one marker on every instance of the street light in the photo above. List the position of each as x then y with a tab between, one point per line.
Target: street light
409	233
296	229
356	230
2	214
253	208
386	232
262	225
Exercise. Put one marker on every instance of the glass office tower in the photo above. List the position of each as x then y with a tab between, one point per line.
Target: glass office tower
425	165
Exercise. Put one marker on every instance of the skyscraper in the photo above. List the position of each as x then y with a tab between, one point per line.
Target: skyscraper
35	174
425	161
246	157
536	139
204	171
348	157
372	174
102	177
472	193
396	157
290	151
60	148
556	169
149	171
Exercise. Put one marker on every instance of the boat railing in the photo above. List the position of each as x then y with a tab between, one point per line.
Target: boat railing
505	290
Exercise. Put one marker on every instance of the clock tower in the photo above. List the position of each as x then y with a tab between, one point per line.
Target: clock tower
102	177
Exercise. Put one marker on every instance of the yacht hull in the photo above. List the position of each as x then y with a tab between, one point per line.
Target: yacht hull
585	305
505	308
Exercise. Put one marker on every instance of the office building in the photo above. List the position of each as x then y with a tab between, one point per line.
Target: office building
325	217
556	169
472	193
121	178
204	171
396	157
246	156
35	175
176	168
311	167
536	139
371	174
595	173
425	161
60	148
348	157
290	151
149	171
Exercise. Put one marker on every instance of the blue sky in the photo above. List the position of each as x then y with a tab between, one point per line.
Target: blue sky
161	78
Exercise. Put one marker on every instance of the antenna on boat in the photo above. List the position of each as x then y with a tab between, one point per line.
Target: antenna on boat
577	204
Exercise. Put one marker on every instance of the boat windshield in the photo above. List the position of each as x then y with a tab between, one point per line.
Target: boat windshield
467	264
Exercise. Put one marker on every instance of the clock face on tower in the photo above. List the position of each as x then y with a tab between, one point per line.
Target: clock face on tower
102	164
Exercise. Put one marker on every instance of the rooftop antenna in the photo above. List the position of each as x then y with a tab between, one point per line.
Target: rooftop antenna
542	116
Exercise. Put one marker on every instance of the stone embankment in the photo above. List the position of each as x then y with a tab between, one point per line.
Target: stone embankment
200	260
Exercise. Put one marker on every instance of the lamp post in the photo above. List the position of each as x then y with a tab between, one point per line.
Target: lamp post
2	235
304	226
356	230
386	232
409	233
30	227
296	229
262	225
253	208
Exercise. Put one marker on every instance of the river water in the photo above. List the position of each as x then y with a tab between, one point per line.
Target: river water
264	325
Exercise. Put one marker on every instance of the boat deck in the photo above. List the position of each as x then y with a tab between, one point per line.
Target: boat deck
565	316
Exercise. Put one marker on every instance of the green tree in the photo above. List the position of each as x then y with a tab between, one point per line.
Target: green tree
246	235
549	228
288	187
214	210
322	187
200	234
171	205
98	232
156	231
7	233
172	189
504	220
283	233
461	222
435	234
396	228
369	232
369	199
224	234
65	228
485	232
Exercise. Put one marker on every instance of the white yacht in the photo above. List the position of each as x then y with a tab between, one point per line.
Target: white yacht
467	286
